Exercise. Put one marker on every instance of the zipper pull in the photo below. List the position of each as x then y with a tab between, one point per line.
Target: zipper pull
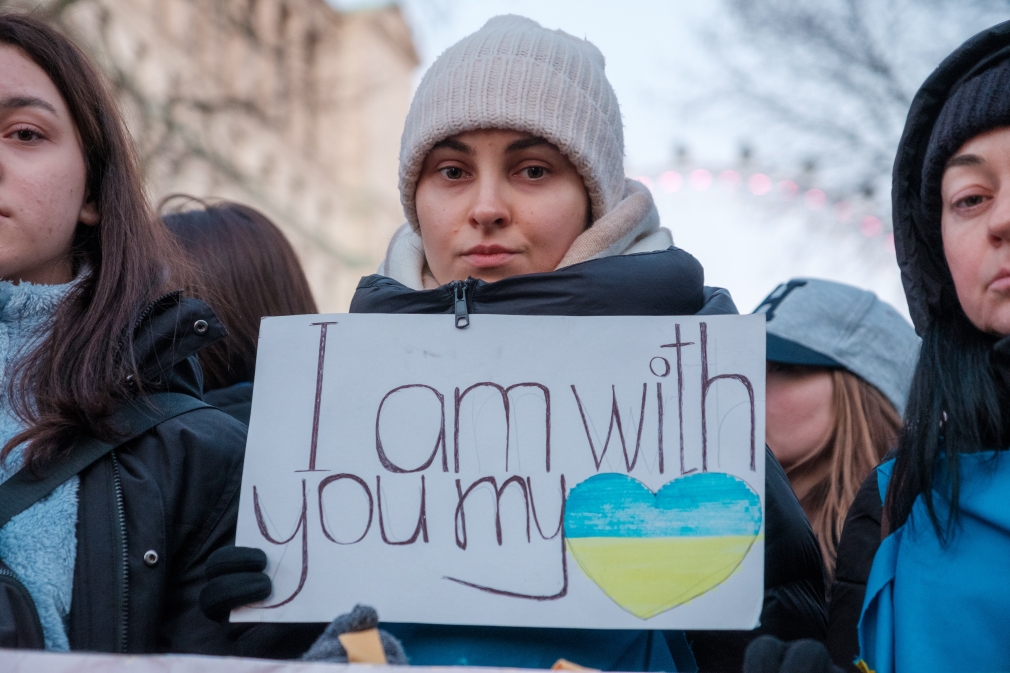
459	294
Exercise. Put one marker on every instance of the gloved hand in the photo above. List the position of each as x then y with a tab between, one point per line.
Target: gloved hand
768	654
328	647
235	578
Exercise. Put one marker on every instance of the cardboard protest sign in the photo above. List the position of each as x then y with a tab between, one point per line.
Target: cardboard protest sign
585	472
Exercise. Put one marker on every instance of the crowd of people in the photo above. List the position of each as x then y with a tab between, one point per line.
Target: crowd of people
128	347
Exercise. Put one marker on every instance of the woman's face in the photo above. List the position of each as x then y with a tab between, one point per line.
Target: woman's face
493	204
42	175
976	228
798	408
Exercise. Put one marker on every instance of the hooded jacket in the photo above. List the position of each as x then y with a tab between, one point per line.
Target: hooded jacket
151	511
928	285
665	282
929	289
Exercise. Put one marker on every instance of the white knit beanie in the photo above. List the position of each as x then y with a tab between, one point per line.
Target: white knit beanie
514	74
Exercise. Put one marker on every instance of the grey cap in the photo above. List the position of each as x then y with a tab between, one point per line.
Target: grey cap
822	323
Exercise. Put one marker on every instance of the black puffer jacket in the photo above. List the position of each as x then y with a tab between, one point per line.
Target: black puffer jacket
151	512
668	282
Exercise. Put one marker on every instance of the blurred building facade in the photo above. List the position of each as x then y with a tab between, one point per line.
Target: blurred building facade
287	105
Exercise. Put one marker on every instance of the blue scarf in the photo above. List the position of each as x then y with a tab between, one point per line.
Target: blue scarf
936	607
40	544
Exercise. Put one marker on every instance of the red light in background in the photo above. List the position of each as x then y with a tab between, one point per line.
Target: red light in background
788	190
871	226
645	180
843	211
700	179
730	180
759	184
670	181
815	199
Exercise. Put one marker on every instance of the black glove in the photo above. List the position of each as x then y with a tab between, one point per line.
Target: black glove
235	578
362	618
768	654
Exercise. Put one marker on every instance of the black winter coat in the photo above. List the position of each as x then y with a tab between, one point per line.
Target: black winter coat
151	511
856	548
235	400
668	282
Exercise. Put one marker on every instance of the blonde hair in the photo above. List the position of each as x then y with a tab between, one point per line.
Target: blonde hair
865	426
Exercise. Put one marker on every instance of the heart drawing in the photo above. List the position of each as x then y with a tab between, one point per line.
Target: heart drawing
652	552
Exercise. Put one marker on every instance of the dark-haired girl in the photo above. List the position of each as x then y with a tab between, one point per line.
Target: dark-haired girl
246	269
112	559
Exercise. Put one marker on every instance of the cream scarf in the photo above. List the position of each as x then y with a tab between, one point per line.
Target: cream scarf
632	226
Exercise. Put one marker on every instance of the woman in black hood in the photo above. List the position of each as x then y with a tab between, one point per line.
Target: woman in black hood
936	597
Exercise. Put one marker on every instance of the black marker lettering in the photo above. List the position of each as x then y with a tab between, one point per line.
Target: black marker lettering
460	519
422	517
615	419
706	383
319	396
302	526
439	441
680	393
564	557
364	487
504	392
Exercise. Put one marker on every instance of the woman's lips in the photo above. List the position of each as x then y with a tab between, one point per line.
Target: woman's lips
1001	283
487	256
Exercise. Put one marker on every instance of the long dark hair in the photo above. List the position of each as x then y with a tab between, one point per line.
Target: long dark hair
953	408
80	373
244	267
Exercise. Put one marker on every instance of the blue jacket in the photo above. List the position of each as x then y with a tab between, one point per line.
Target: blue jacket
932	606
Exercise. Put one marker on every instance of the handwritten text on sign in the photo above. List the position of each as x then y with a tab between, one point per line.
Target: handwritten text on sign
586	472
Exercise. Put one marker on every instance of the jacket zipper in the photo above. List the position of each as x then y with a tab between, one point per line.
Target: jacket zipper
16	581
140	319
11	575
150	307
124	556
459	300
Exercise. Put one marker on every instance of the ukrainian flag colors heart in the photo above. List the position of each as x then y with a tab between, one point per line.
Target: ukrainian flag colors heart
652	552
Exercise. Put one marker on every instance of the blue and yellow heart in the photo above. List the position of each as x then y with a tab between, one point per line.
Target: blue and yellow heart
652	552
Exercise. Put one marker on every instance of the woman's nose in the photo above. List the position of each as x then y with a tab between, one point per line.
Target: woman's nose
490	207
999	219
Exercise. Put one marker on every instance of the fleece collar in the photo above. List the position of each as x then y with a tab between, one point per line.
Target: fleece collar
40	544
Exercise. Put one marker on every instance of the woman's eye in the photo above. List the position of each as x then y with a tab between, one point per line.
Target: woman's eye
452	173
970	201
27	135
535	172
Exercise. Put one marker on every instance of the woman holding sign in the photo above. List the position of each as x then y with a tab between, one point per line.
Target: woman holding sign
512	181
516	202
118	481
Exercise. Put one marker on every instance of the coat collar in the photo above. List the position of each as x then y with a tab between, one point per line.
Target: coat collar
167	336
